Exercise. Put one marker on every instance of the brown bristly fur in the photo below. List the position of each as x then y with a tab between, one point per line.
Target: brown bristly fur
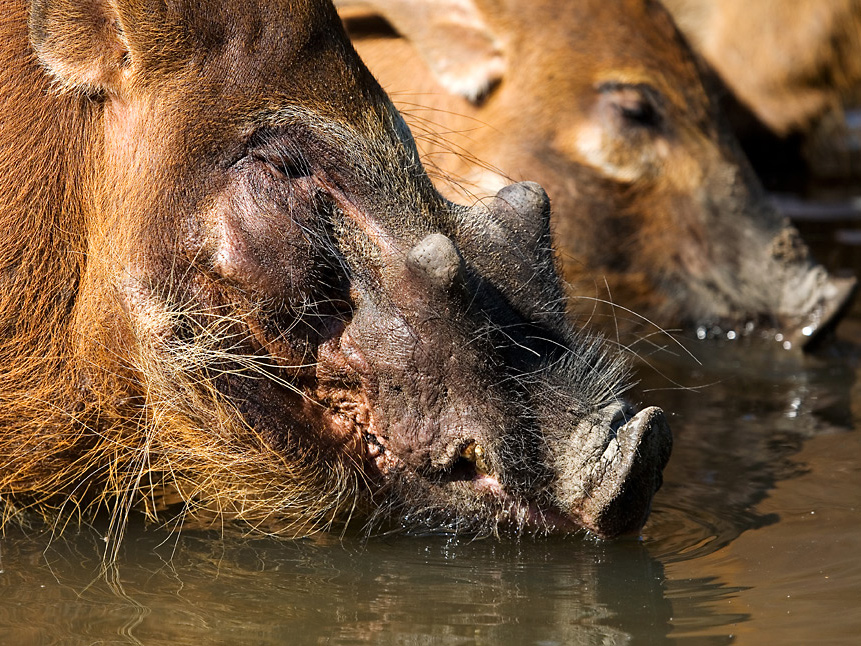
75	436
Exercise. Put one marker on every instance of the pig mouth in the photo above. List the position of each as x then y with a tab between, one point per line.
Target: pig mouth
470	497
803	321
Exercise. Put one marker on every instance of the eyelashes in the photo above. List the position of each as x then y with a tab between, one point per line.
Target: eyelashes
638	104
278	150
287	163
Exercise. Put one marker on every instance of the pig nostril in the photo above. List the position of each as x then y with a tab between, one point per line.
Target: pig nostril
620	418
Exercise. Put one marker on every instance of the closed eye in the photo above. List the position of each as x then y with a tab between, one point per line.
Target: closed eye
639	105
287	164
282	155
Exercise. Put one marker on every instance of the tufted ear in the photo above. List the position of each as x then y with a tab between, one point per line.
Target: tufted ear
80	42
452	38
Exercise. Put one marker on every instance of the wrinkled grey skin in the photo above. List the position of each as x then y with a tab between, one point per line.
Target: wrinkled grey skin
269	266
476	306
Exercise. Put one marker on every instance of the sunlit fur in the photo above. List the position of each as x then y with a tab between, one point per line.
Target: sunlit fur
75	438
115	360
789	63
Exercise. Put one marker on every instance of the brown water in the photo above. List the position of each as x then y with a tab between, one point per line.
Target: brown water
755	538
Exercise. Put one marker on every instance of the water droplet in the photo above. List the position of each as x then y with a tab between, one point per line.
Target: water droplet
701	333
787	345
794	406
778	337
807	330
731	335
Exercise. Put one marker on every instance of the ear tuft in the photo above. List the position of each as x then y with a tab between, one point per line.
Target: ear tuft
451	36
80	42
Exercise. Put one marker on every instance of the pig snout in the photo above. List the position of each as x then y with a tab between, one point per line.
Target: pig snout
812	304
609	467
808	300
628	473
497	414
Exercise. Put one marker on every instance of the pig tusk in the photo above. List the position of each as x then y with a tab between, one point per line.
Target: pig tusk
474	452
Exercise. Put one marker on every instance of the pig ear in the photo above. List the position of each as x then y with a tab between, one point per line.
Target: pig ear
452	38
80	42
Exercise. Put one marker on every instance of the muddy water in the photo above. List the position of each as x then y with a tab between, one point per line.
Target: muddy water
755	538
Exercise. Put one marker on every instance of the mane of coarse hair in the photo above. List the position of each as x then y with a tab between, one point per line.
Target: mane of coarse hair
80	436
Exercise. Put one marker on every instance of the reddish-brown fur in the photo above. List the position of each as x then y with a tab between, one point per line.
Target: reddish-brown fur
74	408
603	103
796	66
229	289
790	62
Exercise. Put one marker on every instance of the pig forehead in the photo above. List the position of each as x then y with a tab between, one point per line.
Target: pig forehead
632	38
254	54
246	18
265	33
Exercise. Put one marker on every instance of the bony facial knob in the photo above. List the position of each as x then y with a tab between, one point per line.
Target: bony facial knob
436	259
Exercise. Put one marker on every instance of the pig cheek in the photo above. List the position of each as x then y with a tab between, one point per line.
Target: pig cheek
262	252
342	386
592	145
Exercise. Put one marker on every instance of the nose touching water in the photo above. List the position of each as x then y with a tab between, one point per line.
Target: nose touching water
231	296
229	293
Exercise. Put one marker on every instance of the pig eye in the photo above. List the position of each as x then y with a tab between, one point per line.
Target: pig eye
282	156
290	166
638	105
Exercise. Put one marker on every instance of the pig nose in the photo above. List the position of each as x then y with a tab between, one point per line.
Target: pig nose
832	299
812	300
436	260
620	503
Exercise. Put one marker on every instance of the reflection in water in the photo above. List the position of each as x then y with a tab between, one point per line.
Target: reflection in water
400	590
800	579
737	428
736	441
695	575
